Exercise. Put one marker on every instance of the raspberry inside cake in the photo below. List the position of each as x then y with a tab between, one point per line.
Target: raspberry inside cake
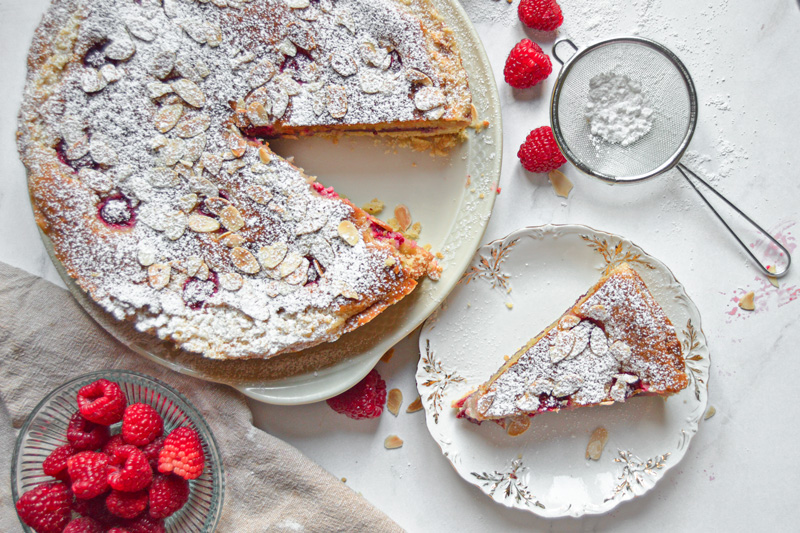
614	343
144	127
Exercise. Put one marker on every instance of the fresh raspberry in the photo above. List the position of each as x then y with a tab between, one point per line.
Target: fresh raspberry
167	495
141	424
113	443
129	470
89	474
46	508
56	463
542	15
96	510
182	454
539	152
526	65
143	524
119	530
152	451
85	435
84	524
102	402
364	400
127	504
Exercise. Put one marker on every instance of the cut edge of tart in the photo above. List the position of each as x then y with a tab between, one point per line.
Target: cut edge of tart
615	342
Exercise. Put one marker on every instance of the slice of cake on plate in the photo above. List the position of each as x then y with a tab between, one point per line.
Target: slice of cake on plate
614	343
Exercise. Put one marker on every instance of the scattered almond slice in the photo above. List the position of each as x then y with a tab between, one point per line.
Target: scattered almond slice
414	406
772	279
387	356
561	184
373	207
596	444
394	400
348	232
710	412
747	302
244	260
392	442
518	426
403	216
158	275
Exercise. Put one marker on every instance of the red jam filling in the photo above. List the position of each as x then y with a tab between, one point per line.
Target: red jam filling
383	234
326	192
117	212
196	291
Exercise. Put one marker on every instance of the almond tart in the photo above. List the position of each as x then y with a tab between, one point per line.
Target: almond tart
143	128
614	343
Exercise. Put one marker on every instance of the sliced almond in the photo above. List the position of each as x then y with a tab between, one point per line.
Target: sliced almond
596	444
485	402
190	92
193	264
392	442
280	101
394	400
598	342
158	275
111	73
598	312
772	279
102	153
710	412
414	406
271	255
385	358
162	64
192	125
244	260
313	221
527	402
257	114
202	224
299	276
568	322
188	202
747	301
167	116
582	334
348	232
517	426
156	89
561	184
290	263
231	218
619	391
236	143
120	48
620	350
265	155
231	281
403	216
336	101
562	346
95	180
174	224
566	385
259	194
428	98
541	386
146	255
231	240
343	64
92	81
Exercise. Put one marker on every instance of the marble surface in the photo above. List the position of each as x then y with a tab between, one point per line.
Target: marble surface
739	473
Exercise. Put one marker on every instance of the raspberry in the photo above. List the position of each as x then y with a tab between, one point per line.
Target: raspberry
542	15
46	508
167	495
127	504
102	402
84	525
526	65
113	443
364	400
141	424
96	510
85	435
152	451
88	471
56	463
128	469
119	530
182	454
142	524
539	152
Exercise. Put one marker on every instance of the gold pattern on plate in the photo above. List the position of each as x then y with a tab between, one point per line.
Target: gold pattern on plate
488	268
616	255
633	471
437	378
689	344
510	483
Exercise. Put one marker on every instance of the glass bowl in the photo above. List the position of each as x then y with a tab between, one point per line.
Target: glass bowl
46	429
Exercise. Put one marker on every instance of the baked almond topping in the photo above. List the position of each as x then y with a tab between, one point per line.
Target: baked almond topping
392	442
596	444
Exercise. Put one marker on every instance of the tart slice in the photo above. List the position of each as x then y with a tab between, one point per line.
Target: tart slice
614	343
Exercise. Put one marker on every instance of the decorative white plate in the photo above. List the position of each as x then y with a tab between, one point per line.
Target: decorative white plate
452	196
514	288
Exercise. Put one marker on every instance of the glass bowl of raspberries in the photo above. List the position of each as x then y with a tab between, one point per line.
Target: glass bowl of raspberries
116	452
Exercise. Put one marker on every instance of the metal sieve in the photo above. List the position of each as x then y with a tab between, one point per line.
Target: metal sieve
669	92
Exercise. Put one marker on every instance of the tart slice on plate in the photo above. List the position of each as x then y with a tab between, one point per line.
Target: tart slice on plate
614	343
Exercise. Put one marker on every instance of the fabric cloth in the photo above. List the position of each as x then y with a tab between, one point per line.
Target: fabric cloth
46	339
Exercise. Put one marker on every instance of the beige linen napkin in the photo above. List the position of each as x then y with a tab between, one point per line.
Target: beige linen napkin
47	339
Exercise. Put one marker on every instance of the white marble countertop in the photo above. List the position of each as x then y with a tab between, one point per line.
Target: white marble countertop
739	473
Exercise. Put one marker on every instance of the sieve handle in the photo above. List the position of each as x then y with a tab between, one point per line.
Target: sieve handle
683	170
566	41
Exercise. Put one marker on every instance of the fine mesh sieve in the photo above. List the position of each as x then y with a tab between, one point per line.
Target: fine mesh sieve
667	89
